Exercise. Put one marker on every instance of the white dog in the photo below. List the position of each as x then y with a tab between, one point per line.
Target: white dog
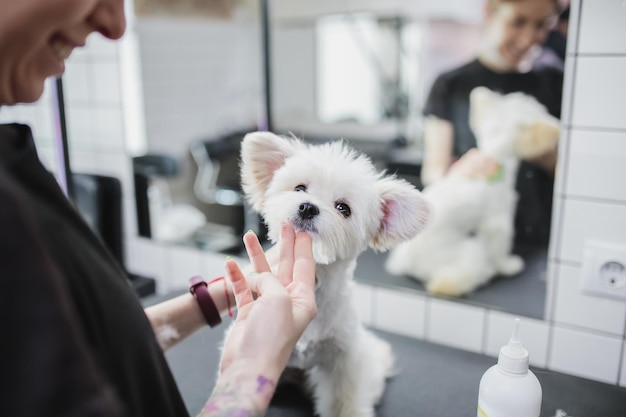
469	239
336	196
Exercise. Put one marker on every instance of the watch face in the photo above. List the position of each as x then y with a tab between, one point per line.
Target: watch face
193	282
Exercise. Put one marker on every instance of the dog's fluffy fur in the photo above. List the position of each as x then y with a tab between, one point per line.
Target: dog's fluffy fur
311	187
470	237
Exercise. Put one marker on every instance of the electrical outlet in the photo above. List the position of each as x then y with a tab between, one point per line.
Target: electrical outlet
604	270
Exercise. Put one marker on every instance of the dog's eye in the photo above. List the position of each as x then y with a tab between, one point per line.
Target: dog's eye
300	187
344	209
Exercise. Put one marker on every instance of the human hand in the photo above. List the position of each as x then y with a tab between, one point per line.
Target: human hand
268	327
475	164
546	160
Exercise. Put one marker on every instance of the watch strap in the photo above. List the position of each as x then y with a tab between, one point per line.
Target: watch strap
199	289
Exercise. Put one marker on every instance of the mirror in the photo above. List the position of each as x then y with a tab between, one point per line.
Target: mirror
200	94
361	76
365	77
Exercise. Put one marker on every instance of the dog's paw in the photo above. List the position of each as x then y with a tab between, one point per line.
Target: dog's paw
445	286
511	265
538	139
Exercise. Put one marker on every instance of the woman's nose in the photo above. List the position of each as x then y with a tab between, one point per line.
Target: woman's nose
108	18
527	38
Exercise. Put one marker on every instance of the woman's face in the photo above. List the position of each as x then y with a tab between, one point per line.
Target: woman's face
37	36
514	27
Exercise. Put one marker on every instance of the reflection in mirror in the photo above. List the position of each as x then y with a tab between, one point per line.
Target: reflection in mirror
200	95
366	67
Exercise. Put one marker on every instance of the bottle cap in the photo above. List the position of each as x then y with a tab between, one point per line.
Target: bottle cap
513	357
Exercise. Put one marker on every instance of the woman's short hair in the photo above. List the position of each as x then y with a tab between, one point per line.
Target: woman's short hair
495	3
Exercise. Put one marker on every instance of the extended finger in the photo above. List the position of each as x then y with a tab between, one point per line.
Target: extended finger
304	263
255	252
242	292
285	266
302	289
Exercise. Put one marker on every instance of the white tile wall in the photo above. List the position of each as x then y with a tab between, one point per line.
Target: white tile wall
586	354
454	324
106	81
588	332
578	309
110	131
588	219
602	29
596	165
599	92
101	47
77	81
399	312
81	128
533	334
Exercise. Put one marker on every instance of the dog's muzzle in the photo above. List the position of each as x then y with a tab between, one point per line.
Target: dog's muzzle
305	217
307	211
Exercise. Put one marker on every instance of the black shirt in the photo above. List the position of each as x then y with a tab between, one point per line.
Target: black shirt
449	100
75	339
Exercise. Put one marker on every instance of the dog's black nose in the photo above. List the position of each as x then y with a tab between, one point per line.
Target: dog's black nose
308	211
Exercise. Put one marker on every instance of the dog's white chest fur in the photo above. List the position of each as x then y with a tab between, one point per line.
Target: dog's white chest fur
336	316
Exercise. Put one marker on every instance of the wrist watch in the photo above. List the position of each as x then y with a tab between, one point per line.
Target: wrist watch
199	289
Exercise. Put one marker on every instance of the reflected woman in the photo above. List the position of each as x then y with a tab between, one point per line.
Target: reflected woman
513	31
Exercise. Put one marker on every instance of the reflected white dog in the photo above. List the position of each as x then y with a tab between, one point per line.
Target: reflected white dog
338	197
470	236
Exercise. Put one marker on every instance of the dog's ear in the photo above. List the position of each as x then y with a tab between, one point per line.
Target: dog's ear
262	153
481	99
539	138
405	212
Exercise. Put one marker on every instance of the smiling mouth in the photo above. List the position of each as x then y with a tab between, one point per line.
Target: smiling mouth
61	47
62	51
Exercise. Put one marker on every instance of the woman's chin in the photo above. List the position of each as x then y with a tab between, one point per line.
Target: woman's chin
28	95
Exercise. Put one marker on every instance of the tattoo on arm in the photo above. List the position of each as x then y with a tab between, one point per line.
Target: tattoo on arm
240	398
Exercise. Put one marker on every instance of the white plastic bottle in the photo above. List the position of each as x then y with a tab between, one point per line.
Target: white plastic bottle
509	388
